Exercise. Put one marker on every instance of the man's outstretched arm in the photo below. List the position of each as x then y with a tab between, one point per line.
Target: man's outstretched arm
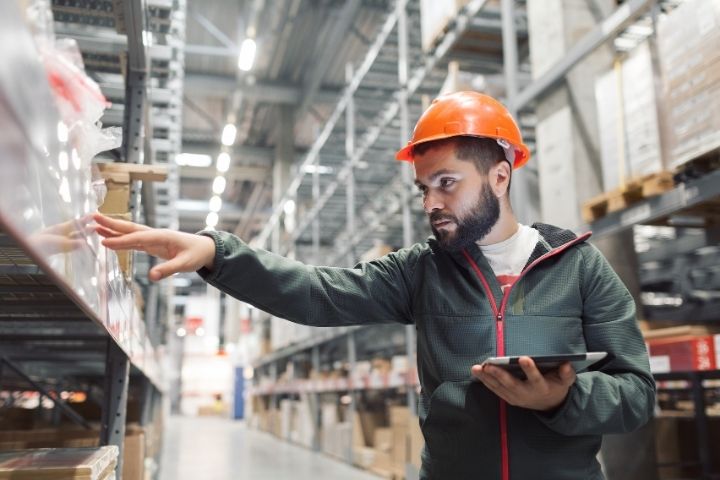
373	292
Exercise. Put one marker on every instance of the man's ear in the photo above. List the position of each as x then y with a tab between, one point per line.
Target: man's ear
499	178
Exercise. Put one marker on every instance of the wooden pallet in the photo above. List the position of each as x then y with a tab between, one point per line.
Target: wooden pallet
623	197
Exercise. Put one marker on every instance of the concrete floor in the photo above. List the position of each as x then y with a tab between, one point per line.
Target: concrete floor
218	449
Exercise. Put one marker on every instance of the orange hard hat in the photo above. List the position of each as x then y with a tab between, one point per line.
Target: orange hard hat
472	114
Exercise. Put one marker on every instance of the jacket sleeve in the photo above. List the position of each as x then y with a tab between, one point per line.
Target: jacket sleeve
620	397
372	292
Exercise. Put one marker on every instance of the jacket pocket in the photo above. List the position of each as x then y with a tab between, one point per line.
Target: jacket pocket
462	430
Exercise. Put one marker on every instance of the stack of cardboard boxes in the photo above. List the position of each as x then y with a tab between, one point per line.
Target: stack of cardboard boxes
385	444
689	47
628	120
60	464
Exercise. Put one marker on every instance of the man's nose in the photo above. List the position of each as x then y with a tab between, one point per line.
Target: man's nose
432	202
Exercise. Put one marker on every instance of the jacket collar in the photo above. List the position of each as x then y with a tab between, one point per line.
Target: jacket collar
551	238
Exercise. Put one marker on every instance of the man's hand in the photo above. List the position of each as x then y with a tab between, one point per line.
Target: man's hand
538	392
184	252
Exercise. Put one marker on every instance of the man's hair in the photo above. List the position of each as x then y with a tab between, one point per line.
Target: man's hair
485	153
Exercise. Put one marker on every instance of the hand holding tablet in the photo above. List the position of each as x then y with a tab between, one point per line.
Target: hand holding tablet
547	363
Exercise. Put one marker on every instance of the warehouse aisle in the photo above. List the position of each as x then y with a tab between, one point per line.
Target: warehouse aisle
221	449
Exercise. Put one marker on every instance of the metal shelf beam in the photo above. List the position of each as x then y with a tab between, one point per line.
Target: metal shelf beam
676	201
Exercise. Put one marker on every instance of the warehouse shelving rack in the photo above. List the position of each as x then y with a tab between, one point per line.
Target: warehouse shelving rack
68	317
417	75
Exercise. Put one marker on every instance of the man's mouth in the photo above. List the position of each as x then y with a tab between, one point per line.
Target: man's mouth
442	223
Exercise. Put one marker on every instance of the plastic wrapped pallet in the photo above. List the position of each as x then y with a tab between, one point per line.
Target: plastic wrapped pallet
59	463
689	48
630	144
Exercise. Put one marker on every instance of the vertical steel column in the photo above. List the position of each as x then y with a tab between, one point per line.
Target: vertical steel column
352	360
151	310
701	424
519	194
510	53
407	173
316	220
349	153
117	376
133	134
273	379
315	406
148	402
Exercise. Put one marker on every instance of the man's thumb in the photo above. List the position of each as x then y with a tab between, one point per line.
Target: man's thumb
166	269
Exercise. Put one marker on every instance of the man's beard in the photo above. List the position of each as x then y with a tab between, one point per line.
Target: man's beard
482	218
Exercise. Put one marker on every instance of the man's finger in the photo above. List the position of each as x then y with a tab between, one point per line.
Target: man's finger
121	226
531	371
496	387
134	241
567	373
105	232
506	379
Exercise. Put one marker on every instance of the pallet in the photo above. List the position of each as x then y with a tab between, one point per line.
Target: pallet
623	197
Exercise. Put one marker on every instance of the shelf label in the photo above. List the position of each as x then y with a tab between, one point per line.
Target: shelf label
660	363
689	194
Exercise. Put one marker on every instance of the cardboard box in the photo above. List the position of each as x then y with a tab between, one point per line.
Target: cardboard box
679	354
363	457
628	121
370	422
435	16
133	467
689	49
400	441
417	443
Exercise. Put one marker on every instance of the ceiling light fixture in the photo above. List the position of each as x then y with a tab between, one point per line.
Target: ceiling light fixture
247	54
223	162
219	185
228	134
215	203
321	169
193	160
212	219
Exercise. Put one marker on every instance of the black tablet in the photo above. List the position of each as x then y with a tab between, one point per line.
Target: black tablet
546	363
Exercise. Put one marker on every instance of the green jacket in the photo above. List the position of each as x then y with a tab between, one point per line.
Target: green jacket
568	300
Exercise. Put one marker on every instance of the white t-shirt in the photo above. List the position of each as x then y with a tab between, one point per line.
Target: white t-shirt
509	257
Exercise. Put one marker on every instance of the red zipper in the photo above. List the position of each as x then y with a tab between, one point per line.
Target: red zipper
500	333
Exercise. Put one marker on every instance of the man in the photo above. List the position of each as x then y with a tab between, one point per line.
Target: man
483	286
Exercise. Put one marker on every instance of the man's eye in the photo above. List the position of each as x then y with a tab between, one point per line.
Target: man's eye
446	182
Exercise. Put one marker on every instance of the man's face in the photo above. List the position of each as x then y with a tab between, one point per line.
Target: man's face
460	204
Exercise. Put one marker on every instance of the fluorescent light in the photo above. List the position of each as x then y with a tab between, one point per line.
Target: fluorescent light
62	132
228	134
199	331
289	207
63	160
181	282
321	169
247	54
215	203
223	162
181	332
219	185
193	160
212	219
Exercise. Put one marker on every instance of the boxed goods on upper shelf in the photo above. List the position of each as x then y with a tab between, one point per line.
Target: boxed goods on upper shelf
628	124
435	16
689	48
